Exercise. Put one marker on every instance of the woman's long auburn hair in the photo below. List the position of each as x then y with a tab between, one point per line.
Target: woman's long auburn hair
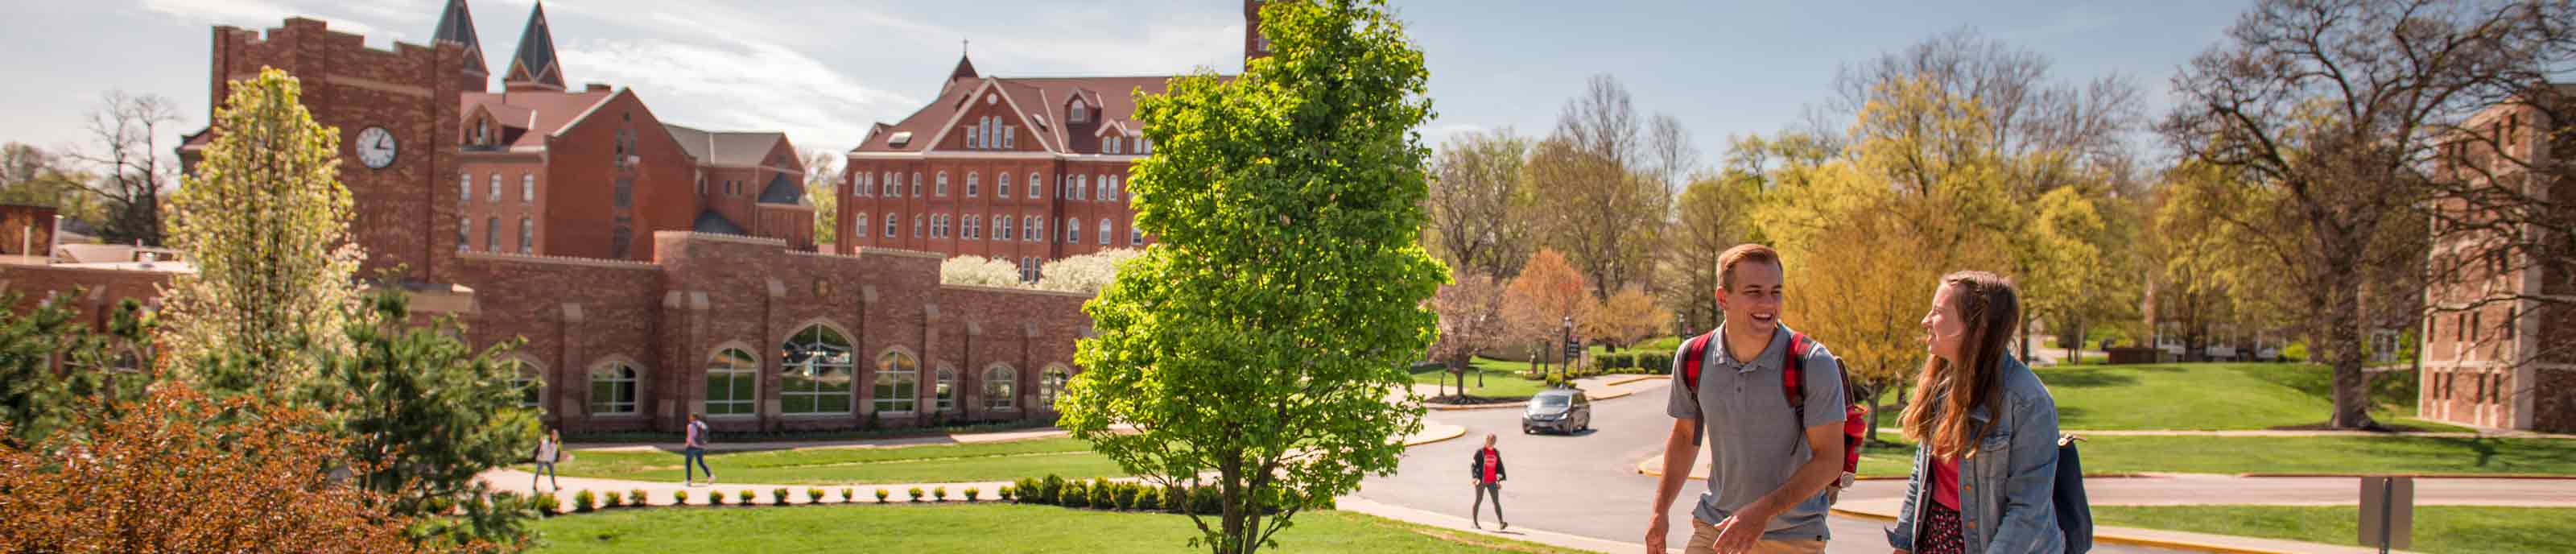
1937	417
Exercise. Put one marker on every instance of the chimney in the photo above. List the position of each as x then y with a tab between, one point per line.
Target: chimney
595	87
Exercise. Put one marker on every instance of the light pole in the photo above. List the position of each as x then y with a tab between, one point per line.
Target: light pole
1568	366
54	240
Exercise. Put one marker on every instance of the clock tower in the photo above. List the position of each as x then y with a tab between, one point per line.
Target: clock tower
394	110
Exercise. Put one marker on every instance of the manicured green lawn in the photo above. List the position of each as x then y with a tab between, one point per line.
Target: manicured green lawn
2437	529
1502	379
2341	455
982	528
1000	461
2202	396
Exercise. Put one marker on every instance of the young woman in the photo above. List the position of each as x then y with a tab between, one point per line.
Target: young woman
1987	465
549	451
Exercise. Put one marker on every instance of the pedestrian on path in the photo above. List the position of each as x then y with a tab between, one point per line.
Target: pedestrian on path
549	451
1488	470
694	450
1985	478
1769	465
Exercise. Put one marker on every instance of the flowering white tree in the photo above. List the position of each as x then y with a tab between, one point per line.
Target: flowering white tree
1086	273
979	271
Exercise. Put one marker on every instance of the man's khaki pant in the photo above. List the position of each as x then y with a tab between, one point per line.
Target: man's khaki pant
1704	541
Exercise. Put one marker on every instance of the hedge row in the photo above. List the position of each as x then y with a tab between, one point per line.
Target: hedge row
1103	494
1641	361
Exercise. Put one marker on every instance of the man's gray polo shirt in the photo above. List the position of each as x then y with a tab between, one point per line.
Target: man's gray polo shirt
1754	442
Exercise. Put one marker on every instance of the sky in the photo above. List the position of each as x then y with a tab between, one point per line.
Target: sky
822	71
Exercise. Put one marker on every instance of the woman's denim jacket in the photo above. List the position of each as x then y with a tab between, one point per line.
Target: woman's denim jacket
2005	487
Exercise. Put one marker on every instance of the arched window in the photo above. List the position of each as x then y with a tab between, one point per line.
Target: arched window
1134	237
1113	145
1080	113
973	186
814	373
612	389
1000	388
733	382
1113	188
1033	229
1034	189
970	226
916	184
1072	231
1104	230
940	187
1080	182
891	227
1001	227
893	185
1103	193
1010	137
898	381
1051	385
861	225
523	378
946	389
527	236
1001	185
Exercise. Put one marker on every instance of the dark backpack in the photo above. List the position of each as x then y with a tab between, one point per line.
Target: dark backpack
1792	384
2074	513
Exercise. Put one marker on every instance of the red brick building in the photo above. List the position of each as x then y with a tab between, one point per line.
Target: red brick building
716	304
2493	354
1017	169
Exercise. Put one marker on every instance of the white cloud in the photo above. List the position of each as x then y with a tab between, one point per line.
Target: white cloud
743	85
259	14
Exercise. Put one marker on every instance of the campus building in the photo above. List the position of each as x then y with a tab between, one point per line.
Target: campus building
652	270
2494	354
1024	170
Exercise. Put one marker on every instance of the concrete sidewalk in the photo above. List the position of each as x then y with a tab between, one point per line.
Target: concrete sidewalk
720	446
1560	540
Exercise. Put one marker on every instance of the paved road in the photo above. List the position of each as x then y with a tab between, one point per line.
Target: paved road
1582	484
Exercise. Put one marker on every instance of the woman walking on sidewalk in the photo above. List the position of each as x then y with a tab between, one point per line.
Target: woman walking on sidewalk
549	451
1986	472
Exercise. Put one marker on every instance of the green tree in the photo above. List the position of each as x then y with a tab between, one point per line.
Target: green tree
979	271
823	192
30	175
1712	216
51	362
266	222
1260	339
1480	219
424	412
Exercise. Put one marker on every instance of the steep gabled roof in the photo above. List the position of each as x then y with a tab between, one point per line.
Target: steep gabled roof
1042	101
711	222
456	24
965	69
732	148
783	190
535	63
541	112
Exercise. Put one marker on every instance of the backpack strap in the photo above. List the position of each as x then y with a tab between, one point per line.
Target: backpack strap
1695	353
1793	377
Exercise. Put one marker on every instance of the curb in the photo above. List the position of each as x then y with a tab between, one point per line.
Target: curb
2526	476
1632	379
1454	432
1460	407
1648	467
2112	538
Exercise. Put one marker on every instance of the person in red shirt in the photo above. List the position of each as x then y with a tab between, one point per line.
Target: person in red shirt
1489	474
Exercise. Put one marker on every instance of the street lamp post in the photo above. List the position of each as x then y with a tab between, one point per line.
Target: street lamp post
1567	367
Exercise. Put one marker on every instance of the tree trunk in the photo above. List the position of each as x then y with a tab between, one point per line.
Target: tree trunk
2344	350
2074	348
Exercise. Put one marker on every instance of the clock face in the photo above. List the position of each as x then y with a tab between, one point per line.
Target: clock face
375	147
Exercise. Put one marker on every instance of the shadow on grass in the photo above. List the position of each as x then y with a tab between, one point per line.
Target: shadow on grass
2086	377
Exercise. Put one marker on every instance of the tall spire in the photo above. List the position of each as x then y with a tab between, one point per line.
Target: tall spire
965	69
534	66
456	24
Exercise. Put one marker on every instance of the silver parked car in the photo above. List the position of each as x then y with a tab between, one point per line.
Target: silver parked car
1559	410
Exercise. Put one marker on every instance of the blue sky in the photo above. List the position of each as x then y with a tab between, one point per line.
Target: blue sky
822	71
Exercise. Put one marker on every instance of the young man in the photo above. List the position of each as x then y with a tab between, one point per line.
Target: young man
694	450
1488	471
1767	469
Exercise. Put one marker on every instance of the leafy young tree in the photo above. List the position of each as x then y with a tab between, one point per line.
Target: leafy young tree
979	271
823	192
2336	107
52	364
266	222
1603	209
1087	273
1259	341
30	175
1713	215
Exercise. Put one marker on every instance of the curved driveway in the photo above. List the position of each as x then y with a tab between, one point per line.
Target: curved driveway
1582	484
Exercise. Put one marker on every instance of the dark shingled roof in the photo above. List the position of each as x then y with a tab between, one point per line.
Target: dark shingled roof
456	24
783	190
734	148
711	222
535	61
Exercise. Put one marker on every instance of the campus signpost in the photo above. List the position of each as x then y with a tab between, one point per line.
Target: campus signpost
2388	512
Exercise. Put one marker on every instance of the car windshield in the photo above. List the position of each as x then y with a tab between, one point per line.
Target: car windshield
1550	401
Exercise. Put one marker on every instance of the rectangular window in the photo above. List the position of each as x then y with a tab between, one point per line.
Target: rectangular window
625	194
941	188
493	194
528	189
492	234
465	189
527	236
1032	229
464	227
1010	137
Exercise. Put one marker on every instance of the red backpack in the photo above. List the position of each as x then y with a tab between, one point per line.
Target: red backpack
1792	381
